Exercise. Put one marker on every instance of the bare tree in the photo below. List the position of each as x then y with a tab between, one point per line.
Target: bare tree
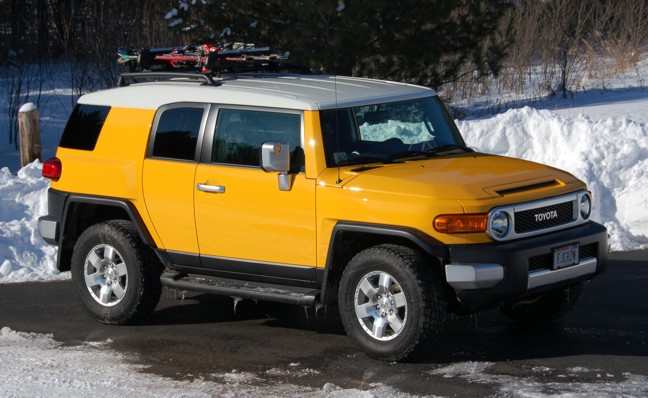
21	83
569	26
525	24
628	31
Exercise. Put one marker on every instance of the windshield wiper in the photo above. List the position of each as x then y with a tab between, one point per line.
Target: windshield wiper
396	157
356	160
411	154
428	153
449	147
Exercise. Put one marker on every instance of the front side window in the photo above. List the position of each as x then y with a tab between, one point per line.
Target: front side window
386	132
240	133
176	134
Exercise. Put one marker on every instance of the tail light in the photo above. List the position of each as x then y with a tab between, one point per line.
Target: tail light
52	169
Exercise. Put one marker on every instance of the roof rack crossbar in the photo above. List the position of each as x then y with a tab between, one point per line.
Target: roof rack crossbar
124	78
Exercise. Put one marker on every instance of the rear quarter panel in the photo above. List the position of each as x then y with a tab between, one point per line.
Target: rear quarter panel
114	168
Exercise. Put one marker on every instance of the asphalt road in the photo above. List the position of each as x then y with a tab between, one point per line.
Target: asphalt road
602	343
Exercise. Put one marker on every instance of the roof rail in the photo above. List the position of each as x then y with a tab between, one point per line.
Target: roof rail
125	78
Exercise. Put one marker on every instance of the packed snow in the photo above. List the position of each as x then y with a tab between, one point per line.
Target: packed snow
35	365
601	137
515	386
23	254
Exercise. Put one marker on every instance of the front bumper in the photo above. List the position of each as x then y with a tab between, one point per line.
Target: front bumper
487	273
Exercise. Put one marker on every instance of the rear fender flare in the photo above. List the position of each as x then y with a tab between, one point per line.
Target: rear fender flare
67	236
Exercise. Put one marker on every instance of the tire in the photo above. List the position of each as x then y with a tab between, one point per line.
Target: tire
390	303
544	308
117	277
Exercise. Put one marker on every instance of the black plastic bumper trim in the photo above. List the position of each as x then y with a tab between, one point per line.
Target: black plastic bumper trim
514	256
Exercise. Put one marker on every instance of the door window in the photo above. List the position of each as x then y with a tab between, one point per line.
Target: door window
240	134
176	132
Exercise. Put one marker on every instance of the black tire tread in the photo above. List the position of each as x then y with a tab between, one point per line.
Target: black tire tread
149	266
433	303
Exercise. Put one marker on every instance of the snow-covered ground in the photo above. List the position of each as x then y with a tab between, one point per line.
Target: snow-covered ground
35	365
601	136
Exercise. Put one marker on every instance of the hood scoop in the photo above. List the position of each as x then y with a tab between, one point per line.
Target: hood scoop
522	186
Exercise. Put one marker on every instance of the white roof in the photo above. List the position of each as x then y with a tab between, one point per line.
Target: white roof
304	92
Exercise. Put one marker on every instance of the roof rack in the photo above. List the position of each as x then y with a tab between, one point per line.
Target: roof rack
210	59
126	78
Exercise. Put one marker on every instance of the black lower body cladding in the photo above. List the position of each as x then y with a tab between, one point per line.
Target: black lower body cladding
49	225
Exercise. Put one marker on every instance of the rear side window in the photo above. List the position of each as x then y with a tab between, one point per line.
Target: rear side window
176	134
83	127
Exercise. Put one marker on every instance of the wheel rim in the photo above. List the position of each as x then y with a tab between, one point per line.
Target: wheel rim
380	306
105	274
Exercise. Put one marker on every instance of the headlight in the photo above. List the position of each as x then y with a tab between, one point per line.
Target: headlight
499	224
585	206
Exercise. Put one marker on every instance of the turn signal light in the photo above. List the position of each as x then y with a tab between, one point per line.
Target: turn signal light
52	169
461	223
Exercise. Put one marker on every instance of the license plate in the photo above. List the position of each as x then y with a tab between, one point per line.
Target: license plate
565	256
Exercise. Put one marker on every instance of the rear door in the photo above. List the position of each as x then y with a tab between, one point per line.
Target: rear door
168	176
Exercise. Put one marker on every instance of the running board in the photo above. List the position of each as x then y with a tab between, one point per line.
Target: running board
241	289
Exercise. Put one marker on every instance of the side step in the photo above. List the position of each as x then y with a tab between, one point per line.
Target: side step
242	289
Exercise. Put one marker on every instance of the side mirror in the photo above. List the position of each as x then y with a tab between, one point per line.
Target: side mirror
275	156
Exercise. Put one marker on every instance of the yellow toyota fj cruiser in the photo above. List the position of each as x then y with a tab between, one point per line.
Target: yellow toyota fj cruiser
312	190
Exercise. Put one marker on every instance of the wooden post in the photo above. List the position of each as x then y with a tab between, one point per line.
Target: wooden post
30	141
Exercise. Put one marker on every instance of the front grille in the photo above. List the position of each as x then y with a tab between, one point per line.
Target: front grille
588	251
544	217
539	263
538	217
545	261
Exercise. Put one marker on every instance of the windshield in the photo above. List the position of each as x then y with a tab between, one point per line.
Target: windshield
388	132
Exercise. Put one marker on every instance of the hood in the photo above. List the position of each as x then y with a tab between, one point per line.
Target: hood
461	177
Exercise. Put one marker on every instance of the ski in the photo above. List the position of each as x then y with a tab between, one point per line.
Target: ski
207	58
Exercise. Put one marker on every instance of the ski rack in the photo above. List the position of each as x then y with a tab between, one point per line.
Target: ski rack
209	59
126	78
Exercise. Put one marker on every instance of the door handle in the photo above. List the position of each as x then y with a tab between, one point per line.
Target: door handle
211	188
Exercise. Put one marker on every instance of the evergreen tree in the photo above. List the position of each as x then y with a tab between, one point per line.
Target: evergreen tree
424	42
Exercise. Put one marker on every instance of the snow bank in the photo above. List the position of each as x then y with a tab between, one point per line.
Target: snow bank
24	256
610	155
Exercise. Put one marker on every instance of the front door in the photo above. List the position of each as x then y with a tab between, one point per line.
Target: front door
245	224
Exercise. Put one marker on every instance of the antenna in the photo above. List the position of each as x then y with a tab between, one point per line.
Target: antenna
337	130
